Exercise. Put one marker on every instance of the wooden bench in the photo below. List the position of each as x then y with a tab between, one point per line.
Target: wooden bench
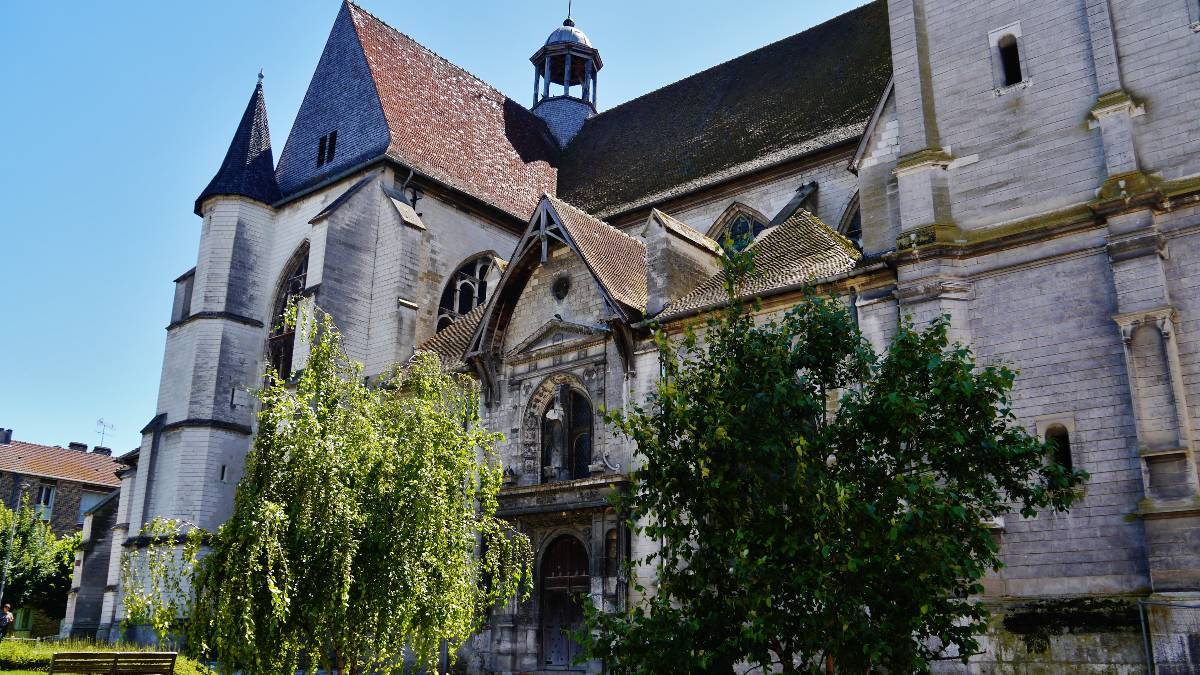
112	663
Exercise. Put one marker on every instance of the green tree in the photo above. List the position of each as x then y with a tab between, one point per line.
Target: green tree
364	526
818	506
39	563
155	576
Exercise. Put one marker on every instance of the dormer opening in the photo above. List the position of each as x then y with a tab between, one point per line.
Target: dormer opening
326	147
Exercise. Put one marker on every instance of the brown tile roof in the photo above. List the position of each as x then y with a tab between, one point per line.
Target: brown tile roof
796	96
800	249
616	259
452	126
685	231
451	342
48	461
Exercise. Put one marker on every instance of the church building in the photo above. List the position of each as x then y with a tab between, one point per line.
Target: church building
1030	169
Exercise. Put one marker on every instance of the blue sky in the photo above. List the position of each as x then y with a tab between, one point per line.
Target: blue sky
118	113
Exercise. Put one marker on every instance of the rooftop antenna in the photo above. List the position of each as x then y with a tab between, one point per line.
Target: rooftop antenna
102	428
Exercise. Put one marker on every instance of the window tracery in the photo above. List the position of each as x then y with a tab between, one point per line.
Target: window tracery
738	227
465	290
281	341
566	436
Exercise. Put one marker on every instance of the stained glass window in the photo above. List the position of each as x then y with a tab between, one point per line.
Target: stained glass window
742	231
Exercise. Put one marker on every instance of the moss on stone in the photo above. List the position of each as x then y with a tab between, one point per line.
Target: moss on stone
1035	622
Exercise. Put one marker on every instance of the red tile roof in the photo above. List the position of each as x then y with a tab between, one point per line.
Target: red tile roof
617	260
47	461
452	126
451	342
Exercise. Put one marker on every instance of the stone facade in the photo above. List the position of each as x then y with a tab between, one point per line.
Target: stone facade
1054	219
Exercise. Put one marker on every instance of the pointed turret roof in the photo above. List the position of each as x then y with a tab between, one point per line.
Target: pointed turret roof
249	166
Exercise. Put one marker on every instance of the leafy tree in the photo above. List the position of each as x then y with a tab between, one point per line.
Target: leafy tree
364	526
818	506
155	577
39	563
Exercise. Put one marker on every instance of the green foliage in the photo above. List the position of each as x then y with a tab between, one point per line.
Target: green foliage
39	563
364	525
814	501
155	576
18	656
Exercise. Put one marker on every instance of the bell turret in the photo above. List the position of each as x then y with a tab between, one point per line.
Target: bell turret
567	60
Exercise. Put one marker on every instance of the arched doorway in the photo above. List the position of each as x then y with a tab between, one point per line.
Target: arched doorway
564	585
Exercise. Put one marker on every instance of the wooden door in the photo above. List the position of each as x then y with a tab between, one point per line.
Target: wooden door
564	585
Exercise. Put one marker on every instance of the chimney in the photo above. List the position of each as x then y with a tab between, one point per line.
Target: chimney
76	445
5	436
101	450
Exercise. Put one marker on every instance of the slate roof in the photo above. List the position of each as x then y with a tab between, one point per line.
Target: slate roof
451	342
46	461
450	125
798	95
801	249
617	260
249	167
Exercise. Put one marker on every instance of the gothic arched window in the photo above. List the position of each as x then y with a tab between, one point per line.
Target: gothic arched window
851	226
738	226
465	290
281	341
566	436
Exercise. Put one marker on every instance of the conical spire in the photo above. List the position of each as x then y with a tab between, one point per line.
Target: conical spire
249	166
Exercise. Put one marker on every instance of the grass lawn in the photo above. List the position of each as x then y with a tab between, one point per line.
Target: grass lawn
18	657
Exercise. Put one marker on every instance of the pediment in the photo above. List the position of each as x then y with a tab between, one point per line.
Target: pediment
555	333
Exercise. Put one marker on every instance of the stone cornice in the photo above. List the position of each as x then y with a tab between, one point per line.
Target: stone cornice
925	158
228	316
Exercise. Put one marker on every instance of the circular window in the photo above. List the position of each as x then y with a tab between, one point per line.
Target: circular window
561	287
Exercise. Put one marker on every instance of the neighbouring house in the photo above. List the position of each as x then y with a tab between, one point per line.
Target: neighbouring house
61	483
65	485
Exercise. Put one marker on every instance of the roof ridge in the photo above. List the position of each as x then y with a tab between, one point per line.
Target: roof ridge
728	61
560	200
422	47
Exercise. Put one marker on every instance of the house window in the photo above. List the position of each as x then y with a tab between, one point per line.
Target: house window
567	436
282	339
88	501
43	503
1010	60
326	146
466	289
1059	440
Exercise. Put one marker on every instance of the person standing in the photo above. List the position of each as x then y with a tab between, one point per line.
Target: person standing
6	621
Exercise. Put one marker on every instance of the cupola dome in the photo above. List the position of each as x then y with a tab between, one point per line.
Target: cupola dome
569	61
568	33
